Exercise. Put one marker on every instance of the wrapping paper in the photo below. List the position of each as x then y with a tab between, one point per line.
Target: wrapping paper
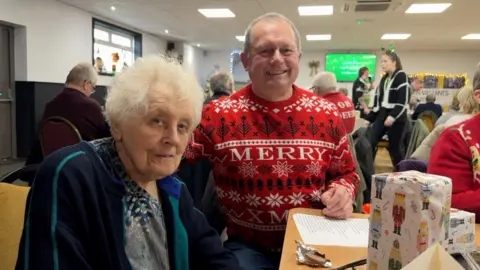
462	232
410	211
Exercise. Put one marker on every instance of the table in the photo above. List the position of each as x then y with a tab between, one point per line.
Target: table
338	255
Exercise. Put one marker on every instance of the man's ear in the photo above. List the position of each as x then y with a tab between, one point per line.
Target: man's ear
476	95
244	58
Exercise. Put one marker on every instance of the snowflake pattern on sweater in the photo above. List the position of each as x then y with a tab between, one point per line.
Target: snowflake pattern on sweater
269	157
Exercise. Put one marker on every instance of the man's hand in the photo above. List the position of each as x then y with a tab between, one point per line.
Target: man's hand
338	203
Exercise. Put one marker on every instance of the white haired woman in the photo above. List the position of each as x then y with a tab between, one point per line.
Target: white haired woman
115	203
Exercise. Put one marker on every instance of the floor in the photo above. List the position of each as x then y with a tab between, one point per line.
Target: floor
383	163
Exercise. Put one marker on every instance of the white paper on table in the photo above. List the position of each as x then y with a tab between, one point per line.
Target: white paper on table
321	231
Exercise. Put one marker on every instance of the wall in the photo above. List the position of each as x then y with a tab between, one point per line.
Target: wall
52	37
457	62
193	61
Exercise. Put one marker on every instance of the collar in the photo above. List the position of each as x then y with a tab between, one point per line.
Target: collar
171	185
75	91
107	152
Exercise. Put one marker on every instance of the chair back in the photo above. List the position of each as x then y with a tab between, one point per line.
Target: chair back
57	132
25	173
13	199
429	118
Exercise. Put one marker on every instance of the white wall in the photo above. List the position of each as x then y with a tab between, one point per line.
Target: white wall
193	61
456	62
56	37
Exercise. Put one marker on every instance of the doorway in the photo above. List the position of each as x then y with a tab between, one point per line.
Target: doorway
6	98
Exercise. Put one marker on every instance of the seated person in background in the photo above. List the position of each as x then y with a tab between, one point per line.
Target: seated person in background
221	85
469	108
415	87
429	105
344	91
456	154
325	85
453	109
114	203
75	105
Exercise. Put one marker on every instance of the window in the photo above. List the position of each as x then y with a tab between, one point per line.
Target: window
114	48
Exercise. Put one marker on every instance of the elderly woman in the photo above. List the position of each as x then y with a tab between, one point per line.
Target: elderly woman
456	154
115	203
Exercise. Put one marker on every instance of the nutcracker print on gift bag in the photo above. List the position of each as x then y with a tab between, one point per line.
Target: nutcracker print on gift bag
395	259
398	212
445	217
426	193
379	185
376	228
422	237
373	266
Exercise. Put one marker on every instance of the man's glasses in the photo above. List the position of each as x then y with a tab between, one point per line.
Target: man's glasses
92	85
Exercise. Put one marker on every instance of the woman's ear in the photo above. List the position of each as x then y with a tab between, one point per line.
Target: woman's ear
116	132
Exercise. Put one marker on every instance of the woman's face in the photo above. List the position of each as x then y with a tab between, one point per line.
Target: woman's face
365	74
387	64
153	144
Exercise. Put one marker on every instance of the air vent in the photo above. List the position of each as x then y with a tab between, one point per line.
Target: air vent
371	6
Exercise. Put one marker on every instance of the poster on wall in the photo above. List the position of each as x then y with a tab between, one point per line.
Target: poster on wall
442	85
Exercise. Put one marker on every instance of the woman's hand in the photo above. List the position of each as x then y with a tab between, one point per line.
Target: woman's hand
389	121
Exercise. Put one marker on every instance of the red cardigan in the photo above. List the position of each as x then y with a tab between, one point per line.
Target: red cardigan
456	155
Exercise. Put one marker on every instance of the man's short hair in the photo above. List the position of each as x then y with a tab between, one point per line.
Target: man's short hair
221	83
430	98
325	81
417	80
81	73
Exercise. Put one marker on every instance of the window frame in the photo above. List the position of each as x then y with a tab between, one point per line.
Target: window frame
136	46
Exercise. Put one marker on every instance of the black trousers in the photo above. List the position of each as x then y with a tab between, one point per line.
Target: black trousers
395	135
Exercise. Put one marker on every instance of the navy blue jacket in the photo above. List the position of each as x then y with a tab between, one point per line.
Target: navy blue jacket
75	219
429	106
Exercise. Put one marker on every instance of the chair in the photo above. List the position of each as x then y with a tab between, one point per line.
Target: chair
429	118
24	173
13	200
57	132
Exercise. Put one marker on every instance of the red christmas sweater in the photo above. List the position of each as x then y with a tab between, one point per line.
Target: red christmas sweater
269	157
345	107
456	154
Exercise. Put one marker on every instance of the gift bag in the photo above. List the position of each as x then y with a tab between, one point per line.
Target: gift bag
462	232
409	213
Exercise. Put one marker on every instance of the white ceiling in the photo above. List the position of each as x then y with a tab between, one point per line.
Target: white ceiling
429	31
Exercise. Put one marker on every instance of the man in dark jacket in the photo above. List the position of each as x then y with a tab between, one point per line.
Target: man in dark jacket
430	105
221	85
75	105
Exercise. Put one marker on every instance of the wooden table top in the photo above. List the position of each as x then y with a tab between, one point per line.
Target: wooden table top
338	255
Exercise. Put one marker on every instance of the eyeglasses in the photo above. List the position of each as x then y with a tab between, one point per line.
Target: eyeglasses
93	86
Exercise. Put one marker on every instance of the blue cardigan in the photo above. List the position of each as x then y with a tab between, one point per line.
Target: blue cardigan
75	219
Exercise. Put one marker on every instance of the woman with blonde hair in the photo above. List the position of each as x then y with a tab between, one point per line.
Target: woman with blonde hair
116	203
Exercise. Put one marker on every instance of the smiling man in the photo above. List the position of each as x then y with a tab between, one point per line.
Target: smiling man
274	147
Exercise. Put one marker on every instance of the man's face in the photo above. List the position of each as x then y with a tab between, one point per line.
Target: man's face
273	59
417	85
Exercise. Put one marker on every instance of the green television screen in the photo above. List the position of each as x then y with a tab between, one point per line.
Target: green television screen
345	66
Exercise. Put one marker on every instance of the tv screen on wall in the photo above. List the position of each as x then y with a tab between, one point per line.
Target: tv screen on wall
345	66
